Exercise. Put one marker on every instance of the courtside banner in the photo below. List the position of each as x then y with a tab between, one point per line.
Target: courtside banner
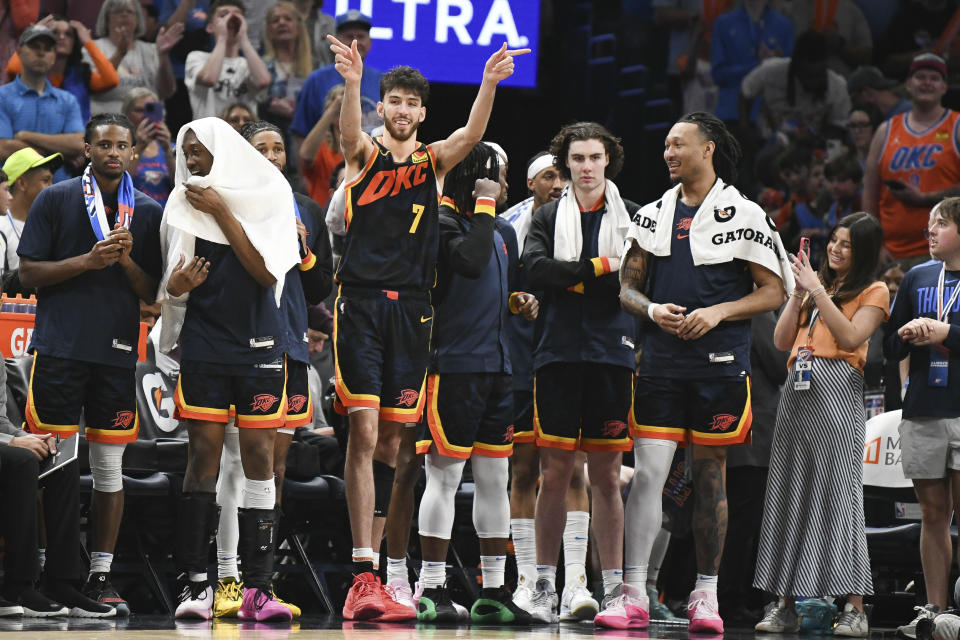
449	40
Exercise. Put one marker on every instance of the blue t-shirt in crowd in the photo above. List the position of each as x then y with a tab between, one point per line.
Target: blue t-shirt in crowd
23	109
314	92
153	176
95	316
675	279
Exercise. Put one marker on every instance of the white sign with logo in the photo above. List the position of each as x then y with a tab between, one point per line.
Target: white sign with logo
881	453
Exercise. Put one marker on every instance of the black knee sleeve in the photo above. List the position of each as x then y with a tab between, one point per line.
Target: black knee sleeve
198	517
382	487
257	544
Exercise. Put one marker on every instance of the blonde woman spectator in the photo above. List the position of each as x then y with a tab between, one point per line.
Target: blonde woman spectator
153	165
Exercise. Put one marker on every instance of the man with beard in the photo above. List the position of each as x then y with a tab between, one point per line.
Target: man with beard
383	315
85	342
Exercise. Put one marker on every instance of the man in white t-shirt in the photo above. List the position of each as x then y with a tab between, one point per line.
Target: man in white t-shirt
28	173
224	76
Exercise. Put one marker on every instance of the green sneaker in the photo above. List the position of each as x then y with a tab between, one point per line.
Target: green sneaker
660	612
435	605
495	606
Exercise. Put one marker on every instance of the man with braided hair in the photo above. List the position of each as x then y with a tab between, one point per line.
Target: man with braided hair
701	262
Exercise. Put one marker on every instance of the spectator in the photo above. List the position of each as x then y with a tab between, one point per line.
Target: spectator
320	151
237	114
800	217
869	85
288	59
916	28
22	15
799	93
29	173
862	125
138	63
925	326
845	29
845	178
33	112
223	76
351	26
743	38
816	462
154	162
319	26
912	164
192	14
69	72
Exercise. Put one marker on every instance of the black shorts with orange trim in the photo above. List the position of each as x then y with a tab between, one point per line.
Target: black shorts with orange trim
61	388
299	402
207	393
523	416
381	348
468	413
582	405
708	412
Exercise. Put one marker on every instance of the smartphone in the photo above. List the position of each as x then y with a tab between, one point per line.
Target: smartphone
805	246
153	111
895	185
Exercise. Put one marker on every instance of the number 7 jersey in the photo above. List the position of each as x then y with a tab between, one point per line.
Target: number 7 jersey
392	220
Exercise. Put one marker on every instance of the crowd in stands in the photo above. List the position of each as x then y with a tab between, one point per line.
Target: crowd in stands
840	107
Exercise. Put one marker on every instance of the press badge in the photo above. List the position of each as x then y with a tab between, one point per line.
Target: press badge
939	366
803	369
121	345
261	343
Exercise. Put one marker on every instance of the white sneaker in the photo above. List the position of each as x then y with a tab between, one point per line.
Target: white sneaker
543	605
196	601
523	596
627	607
852	623
577	602
909	630
401	593
946	627
779	619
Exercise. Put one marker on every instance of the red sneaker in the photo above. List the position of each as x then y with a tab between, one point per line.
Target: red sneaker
399	605
365	598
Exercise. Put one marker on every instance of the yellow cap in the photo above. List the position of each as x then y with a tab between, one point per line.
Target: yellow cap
19	162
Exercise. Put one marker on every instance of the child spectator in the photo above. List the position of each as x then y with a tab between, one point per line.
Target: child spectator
845	180
799	217
320	151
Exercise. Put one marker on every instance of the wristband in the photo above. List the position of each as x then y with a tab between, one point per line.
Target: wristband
307	263
650	308
486	205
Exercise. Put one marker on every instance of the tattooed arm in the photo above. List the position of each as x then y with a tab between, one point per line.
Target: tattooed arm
634	270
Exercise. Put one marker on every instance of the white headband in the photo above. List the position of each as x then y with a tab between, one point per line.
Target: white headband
498	149
538	165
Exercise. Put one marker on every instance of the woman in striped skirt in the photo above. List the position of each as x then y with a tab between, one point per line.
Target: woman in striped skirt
812	541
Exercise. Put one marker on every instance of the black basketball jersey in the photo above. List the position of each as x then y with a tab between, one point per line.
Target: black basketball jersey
392	223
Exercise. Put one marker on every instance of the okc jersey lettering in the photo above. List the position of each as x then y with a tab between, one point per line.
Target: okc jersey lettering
390	183
917	158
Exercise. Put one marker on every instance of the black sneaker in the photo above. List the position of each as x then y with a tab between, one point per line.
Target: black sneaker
80	605
10	609
495	606
37	605
99	588
436	606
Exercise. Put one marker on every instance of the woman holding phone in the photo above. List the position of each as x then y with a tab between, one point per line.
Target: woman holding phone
154	162
812	541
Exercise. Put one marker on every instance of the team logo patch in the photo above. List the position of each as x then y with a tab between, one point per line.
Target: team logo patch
408	397
683	225
297	402
722	422
613	428
263	402
123	420
508	436
724	215
419	156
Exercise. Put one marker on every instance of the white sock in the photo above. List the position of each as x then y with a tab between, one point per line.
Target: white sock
397	570
706	583
227	567
197	577
100	562
548	572
376	560
636	576
612	578
492	568
657	554
258	494
362	553
525	549
575	535
433	574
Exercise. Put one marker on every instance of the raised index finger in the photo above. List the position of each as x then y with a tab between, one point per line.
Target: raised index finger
517	52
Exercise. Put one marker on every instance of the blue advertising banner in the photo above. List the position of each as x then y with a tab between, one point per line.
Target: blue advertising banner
449	40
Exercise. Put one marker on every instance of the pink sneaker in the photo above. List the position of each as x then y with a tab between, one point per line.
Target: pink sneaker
628	610
704	613
261	605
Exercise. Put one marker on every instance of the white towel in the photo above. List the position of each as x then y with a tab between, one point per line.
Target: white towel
727	226
257	194
519	217
568	234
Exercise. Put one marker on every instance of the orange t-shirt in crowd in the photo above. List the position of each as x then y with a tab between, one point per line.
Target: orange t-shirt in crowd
319	171
103	78
825	345
930	161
